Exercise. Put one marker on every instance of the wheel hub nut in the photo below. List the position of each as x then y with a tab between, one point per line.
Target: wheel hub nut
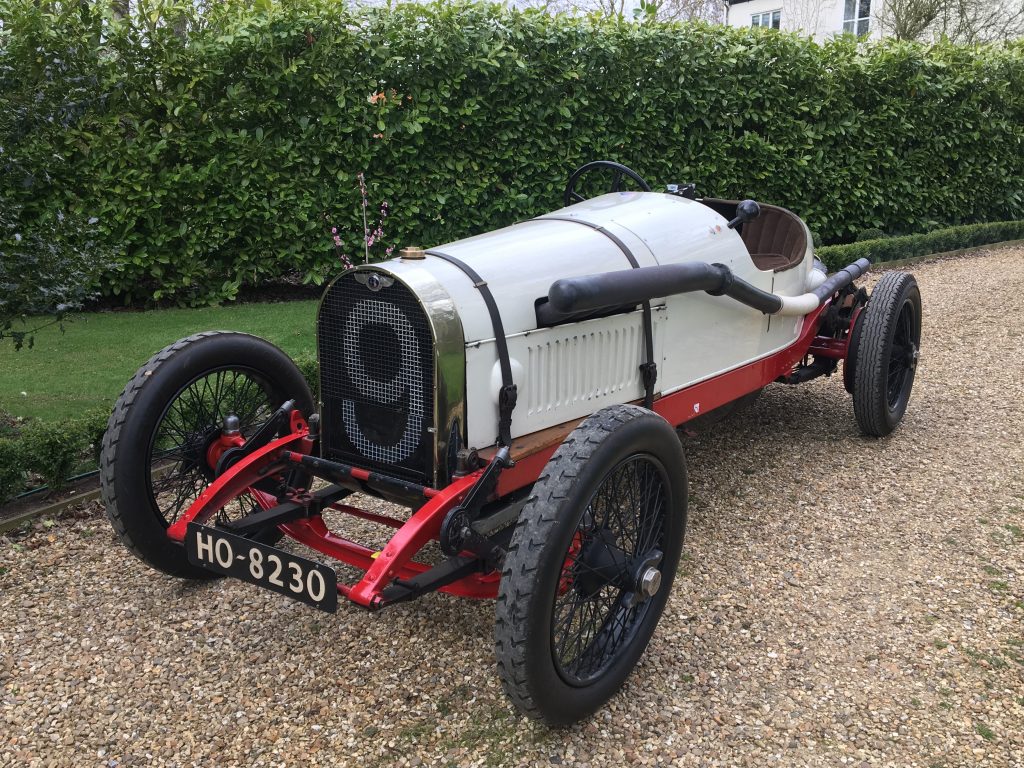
913	357
649	583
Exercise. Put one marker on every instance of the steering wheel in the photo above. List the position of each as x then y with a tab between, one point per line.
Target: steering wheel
618	171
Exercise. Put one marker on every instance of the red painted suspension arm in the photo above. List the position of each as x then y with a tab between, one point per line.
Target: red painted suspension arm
423	526
257	466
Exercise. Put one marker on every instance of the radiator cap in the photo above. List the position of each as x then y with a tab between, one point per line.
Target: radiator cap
412	253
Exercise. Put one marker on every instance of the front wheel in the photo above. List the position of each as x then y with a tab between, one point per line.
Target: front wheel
885	354
591	564
159	450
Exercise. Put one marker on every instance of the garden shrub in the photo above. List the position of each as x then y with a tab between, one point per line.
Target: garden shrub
51	255
53	450
310	368
94	424
219	147
12	473
46	271
911	246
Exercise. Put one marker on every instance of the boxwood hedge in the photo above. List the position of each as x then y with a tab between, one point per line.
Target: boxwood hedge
911	246
220	147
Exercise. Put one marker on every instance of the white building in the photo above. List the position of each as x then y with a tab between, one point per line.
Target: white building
819	19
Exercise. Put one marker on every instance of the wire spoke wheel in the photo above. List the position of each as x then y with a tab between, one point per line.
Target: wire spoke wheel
596	613
192	422
903	357
590	564
170	429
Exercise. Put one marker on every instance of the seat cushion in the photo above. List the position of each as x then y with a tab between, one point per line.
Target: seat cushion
770	261
776	239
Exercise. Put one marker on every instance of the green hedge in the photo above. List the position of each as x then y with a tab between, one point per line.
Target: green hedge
219	149
939	241
12	471
310	368
54	451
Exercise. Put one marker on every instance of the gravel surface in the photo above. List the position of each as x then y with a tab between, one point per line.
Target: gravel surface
844	601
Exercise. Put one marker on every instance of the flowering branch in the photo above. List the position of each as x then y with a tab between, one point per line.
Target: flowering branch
370	236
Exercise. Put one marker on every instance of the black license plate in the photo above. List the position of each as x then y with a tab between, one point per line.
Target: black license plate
268	567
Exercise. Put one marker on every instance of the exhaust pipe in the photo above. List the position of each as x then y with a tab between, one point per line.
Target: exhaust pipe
634	286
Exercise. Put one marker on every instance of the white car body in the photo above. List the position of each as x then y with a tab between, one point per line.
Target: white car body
569	371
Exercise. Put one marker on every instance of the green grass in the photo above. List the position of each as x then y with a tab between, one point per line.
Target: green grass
89	364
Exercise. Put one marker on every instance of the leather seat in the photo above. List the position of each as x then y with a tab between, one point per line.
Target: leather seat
776	240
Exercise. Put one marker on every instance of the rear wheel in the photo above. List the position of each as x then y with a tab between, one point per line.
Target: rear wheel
886	354
591	564
156	457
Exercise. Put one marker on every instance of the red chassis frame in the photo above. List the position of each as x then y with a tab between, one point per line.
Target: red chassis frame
396	561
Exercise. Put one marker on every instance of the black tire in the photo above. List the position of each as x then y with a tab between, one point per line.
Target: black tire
567	530
885	359
165	419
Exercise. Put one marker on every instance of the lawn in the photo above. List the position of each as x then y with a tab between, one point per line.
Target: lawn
89	364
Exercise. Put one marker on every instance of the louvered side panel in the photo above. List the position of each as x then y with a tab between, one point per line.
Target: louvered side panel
583	367
563	373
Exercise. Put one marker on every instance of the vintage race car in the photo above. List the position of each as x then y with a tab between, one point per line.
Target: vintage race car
520	393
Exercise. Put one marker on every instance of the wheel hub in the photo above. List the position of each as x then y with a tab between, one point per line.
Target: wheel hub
647	576
220	446
602	563
913	355
649	583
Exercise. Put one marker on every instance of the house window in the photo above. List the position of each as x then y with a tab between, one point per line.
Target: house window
770	19
857	17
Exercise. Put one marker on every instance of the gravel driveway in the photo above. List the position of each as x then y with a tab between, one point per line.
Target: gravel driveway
844	601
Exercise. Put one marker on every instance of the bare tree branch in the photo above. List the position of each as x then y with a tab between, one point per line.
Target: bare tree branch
962	21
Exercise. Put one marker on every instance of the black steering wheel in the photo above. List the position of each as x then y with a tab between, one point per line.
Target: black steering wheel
618	171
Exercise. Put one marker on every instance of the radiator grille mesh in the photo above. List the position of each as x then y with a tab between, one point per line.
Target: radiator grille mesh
377	377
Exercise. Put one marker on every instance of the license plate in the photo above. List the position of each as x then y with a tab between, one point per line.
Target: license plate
267	567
